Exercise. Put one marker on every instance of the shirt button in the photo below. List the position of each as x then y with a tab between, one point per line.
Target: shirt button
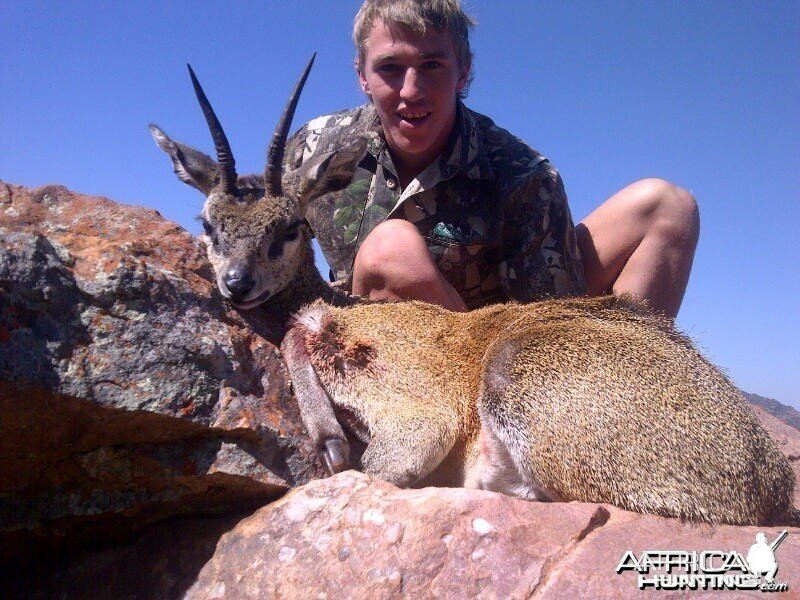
391	183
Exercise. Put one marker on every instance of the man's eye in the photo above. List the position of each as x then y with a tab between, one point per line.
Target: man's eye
431	64
388	68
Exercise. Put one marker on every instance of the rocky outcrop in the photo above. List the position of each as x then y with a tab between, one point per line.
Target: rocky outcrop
787	414
351	536
129	393
788	438
365	538
147	430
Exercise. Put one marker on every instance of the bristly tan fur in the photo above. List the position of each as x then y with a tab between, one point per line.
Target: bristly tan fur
579	399
593	399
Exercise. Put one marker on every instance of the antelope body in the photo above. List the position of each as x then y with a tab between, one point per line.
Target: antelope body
591	399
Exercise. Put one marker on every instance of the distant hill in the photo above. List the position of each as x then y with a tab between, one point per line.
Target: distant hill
787	414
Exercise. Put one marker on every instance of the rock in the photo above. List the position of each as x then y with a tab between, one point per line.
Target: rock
351	536
787	414
787	436
129	393
364	537
131	397
590	569
162	562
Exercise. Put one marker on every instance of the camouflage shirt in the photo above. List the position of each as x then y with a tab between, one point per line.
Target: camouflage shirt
492	210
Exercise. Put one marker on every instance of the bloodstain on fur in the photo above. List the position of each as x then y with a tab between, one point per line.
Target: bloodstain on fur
331	350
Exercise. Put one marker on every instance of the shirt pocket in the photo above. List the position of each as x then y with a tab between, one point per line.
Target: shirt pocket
469	263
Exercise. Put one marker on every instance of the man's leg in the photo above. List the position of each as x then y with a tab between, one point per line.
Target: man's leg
393	263
642	241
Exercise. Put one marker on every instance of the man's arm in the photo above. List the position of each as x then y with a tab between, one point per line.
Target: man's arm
540	252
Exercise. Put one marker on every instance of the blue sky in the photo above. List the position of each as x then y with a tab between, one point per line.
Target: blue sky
706	94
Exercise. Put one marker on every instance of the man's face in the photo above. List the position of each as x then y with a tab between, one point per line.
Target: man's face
413	82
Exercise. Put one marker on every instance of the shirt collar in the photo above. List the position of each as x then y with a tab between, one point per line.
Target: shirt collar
465	150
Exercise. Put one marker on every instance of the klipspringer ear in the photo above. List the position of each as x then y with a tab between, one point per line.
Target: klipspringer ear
191	166
329	173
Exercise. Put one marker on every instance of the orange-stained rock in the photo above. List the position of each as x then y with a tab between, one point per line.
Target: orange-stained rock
130	396
589	570
353	537
129	392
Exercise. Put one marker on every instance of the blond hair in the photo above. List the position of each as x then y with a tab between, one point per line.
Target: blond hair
416	16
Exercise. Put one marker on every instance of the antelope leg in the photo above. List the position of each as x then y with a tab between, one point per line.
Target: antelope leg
316	407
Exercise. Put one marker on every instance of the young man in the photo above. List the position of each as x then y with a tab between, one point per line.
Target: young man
446	207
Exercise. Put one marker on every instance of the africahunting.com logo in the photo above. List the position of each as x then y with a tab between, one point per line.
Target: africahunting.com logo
708	570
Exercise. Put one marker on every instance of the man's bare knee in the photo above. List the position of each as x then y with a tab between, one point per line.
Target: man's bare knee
642	242
390	246
669	207
394	254
394	263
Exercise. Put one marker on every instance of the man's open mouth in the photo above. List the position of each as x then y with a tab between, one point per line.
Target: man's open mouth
414	118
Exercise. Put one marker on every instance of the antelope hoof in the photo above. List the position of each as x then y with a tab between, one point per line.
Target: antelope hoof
335	456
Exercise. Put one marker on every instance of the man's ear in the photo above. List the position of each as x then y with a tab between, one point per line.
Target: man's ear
363	80
463	77
330	173
191	166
